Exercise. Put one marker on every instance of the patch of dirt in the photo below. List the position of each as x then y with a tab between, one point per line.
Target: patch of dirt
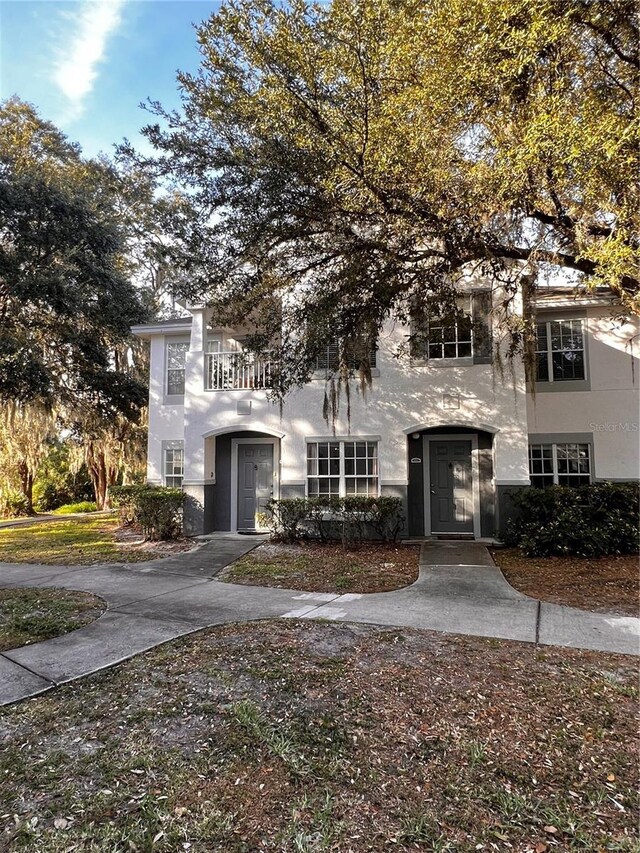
609	584
291	736
131	539
317	567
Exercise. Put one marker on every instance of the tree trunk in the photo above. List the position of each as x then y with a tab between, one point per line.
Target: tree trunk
26	484
98	475
102	476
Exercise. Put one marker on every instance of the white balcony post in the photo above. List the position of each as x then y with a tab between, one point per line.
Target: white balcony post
197	330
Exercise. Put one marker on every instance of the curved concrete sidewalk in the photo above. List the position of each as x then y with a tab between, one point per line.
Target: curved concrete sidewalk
150	603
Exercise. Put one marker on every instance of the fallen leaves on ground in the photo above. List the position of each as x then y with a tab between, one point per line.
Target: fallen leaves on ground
330	567
609	584
310	736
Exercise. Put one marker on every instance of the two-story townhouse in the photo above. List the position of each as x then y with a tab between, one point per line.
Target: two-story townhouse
450	428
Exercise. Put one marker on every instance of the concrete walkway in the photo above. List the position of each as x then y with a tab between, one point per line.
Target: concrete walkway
150	603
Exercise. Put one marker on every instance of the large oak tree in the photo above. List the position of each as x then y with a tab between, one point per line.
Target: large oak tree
370	150
66	299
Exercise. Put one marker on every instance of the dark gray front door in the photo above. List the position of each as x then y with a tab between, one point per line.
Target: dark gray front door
255	482
451	488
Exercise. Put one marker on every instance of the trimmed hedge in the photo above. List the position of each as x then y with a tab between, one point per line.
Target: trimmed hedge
157	509
352	519
124	499
588	521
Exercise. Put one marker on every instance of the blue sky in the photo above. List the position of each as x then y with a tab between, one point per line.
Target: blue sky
87	64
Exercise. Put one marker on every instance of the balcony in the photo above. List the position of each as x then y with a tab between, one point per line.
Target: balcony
236	370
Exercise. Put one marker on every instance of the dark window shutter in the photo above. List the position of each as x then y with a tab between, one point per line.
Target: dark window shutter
418	336
482	334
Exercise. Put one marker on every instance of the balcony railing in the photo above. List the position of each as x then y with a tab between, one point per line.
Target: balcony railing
228	370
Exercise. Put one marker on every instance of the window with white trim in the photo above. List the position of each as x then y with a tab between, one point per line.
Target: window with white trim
560	350
342	468
561	464
176	353
173	466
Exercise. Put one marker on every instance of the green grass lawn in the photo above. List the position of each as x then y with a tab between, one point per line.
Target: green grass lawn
31	615
78	541
301	737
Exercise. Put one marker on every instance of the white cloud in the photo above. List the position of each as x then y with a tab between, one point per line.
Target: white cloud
76	68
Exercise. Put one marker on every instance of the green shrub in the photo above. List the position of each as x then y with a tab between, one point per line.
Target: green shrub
322	514
13	505
159	512
123	498
58	481
353	518
387	518
81	506
588	521
357	513
287	517
363	516
157	509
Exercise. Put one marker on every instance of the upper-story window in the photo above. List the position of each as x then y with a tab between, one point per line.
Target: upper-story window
461	333
449	337
560	350
329	358
175	359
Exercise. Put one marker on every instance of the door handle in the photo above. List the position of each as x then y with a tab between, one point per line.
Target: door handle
433	491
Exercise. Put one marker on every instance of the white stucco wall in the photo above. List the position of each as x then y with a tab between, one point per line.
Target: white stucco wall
405	397
166	421
410	396
610	410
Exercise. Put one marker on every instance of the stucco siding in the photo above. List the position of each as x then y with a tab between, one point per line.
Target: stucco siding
407	397
609	412
403	397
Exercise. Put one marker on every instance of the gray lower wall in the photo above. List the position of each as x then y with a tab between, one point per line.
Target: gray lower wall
505	509
402	493
487	489
292	490
219	511
208	519
415	489
194	513
208	507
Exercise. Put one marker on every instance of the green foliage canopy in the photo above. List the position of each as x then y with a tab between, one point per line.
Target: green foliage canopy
65	300
370	150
